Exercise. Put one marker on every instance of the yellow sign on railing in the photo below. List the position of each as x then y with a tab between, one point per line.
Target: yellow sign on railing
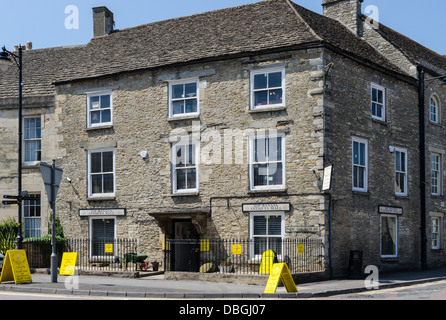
204	245
15	267
108	248
236	249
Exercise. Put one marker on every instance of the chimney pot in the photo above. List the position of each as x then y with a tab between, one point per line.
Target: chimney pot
29	45
103	21
345	11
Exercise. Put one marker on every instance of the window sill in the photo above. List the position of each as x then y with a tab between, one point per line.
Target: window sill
390	259
35	165
108	126
267	109
361	193
380	121
184	194
278	190
100	198
435	124
185	117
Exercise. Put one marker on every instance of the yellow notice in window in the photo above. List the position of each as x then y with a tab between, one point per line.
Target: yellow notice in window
280	271
68	264
15	267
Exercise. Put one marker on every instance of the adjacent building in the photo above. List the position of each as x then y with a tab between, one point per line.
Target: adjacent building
264	122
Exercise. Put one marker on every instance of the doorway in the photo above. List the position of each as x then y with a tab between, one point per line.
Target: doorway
186	251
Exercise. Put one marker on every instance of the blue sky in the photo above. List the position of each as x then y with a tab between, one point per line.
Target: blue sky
43	22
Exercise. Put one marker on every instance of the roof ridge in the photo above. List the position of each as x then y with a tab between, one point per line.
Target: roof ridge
302	19
386	32
187	16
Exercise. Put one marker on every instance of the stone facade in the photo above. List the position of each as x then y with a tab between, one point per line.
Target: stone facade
410	57
346	85
356	223
144	187
31	177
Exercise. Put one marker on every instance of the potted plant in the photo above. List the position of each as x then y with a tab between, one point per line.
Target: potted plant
155	265
225	265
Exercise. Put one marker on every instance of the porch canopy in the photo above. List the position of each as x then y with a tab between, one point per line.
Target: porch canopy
198	216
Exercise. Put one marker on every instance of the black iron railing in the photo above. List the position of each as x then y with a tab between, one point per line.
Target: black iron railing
243	256
104	254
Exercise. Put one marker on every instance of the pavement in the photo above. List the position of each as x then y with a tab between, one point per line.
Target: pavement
154	286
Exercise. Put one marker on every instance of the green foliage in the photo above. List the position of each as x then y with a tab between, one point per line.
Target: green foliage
59	228
8	235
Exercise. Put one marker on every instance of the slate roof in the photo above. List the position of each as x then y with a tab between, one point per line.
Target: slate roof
259	27
415	52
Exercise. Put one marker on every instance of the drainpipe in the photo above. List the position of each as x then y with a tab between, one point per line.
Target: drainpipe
422	137
330	252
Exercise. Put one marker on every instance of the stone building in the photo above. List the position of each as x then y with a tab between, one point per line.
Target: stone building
228	129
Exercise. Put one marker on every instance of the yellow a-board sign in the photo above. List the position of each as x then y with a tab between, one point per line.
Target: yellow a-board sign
68	264
15	267
280	271
268	258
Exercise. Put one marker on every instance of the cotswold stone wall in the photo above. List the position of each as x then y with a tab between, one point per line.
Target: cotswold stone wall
140	123
31	176
356	218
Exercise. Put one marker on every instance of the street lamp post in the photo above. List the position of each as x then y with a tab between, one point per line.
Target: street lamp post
5	58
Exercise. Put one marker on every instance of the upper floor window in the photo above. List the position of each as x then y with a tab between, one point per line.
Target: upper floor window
378	102
401	172
435	174
183	98
267	162
100	109
101	173
32	139
185	168
360	164
267	88
434	110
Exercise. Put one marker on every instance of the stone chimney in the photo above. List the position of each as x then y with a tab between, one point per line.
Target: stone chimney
103	22
345	11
